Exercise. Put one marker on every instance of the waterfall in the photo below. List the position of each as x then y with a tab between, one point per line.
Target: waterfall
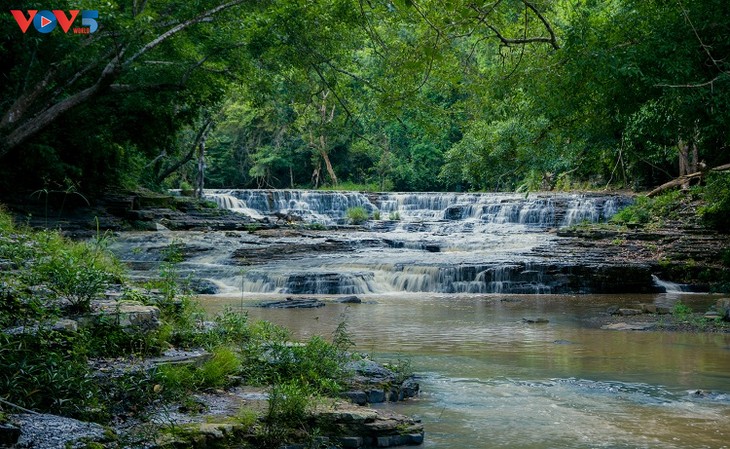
423	242
543	210
669	287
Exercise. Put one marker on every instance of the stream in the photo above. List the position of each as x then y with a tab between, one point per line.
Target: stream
446	280
489	380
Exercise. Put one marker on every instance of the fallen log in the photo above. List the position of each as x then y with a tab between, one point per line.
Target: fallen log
682	180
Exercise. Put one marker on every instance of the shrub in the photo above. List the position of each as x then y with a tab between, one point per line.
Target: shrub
357	215
317	363
681	310
288	404
716	212
177	380
73	277
394	216
646	210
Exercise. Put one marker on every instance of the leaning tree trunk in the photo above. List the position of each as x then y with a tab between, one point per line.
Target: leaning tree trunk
325	157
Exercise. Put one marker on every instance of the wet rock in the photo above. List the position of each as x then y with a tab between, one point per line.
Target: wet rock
294	303
56	432
380	384
204	287
432	248
370	428
349	300
535	320
648	308
628	327
663	310
723	308
356	397
454	213
394	243
376	396
629	312
654	309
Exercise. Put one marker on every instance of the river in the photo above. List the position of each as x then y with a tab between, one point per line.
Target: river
446	280
489	380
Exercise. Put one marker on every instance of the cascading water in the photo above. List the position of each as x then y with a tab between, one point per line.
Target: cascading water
423	242
329	208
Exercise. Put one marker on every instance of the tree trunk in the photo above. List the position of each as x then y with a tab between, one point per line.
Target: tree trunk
682	180
200	137
327	163
683	161
200	182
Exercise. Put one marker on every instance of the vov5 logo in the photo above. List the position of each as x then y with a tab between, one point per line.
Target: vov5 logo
46	21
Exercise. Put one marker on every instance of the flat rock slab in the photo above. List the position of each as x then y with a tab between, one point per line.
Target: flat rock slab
629	327
55	432
294	303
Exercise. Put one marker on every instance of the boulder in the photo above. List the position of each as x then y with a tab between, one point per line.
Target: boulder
454	213
132	316
204	287
362	427
648	308
380	384
629	312
65	325
535	320
723	308
349	300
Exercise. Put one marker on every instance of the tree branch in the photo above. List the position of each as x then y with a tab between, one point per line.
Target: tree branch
552	39
202	133
180	27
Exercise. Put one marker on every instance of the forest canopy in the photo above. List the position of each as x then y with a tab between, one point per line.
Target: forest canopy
383	95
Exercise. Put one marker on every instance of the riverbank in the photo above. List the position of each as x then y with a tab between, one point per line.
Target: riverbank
81	345
680	317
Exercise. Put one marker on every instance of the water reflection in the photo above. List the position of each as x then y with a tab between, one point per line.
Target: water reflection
492	381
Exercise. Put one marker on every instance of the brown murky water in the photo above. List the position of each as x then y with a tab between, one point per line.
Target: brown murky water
491	381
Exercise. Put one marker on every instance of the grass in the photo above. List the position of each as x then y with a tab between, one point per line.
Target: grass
357	215
348	186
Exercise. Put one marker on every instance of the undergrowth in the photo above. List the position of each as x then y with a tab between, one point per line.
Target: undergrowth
46	277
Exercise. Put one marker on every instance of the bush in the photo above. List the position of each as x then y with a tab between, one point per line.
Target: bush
357	215
288	404
646	210
716	212
74	276
318	364
177	380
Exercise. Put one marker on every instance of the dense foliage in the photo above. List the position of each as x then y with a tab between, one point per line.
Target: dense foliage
402	94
